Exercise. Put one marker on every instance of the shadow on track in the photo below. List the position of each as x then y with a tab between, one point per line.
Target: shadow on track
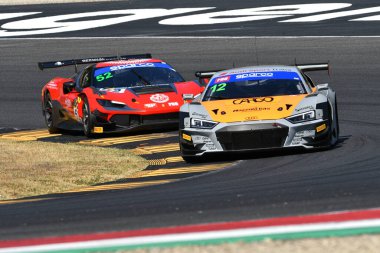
266	153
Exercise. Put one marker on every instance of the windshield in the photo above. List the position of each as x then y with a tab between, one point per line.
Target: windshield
127	76
256	84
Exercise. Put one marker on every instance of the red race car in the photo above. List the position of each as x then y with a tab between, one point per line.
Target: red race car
115	94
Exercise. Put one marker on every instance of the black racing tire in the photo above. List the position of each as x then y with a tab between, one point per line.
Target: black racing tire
191	159
334	134
337	118
88	125
48	111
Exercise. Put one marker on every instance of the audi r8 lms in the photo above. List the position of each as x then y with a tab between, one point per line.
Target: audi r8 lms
115	94
259	107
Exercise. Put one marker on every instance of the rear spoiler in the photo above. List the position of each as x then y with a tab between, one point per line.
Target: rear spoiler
205	75
314	67
64	63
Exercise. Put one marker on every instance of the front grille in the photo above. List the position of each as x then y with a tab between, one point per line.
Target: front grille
160	118
121	120
135	120
252	139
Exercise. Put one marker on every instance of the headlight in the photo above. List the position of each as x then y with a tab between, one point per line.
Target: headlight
306	116
110	103
201	123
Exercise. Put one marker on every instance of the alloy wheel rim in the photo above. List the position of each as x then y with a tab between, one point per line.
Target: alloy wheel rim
85	117
49	112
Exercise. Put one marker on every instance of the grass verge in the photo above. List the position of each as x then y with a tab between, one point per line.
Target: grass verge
35	168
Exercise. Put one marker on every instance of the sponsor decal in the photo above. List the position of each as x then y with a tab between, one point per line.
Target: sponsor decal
104	76
93	59
251	118
188	96
186	137
76	104
305	133
173	104
124	62
134	65
282	108
203	116
321	128
68	102
254	109
222	79
201	139
257	70
52	85
263	13
151	105
297	140
307	13
58	63
219	87
159	98
210	146
85	20
215	111
309	107
113	90
255	74
252	100
106	71
98	130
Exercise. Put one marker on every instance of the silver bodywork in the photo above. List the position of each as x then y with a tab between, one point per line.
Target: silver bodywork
247	135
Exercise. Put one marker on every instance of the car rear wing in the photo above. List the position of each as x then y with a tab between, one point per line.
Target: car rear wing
206	73
64	63
204	76
314	67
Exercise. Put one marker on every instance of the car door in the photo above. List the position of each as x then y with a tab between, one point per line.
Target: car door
72	99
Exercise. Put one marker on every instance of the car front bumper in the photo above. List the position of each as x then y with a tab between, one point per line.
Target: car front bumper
254	135
119	123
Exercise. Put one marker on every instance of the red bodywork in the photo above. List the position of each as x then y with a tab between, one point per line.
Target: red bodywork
143	110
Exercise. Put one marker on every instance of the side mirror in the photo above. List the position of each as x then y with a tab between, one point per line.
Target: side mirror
68	86
187	97
203	81
323	86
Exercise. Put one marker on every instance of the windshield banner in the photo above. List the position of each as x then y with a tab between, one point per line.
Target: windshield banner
256	76
129	66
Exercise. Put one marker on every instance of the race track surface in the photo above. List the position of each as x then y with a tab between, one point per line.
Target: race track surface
259	185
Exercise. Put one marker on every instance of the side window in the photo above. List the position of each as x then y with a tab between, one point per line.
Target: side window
308	80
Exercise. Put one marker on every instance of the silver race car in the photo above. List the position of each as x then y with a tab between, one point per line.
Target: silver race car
259	107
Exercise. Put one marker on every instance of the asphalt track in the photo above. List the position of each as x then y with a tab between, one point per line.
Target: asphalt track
338	26
259	186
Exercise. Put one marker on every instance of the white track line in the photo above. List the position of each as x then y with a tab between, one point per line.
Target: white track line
196	236
190	37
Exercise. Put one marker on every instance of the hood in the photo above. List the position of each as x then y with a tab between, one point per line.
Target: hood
246	109
151	99
148	89
148	102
